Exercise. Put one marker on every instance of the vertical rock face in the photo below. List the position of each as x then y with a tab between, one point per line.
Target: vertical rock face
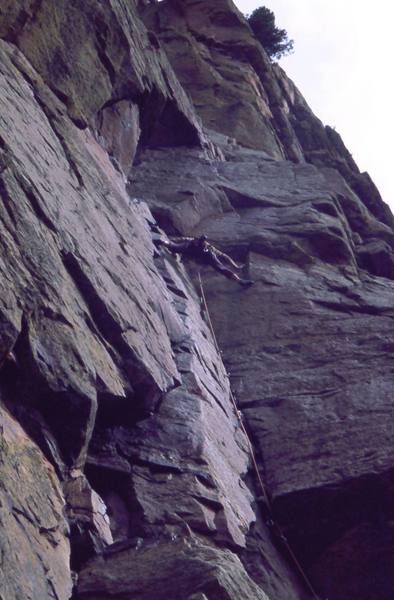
125	469
225	70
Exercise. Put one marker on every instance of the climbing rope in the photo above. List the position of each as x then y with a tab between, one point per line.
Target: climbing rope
271	521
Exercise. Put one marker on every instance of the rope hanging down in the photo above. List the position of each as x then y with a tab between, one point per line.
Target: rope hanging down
254	461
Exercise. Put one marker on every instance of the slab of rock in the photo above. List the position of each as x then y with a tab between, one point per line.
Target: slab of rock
87	515
197	571
34	545
78	336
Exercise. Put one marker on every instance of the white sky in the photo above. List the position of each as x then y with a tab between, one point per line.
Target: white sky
342	66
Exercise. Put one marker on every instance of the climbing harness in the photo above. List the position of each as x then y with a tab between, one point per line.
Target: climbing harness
270	522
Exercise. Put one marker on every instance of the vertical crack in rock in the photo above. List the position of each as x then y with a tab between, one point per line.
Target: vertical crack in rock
31	194
7	203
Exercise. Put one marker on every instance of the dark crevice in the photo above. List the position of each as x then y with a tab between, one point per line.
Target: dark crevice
210	503
261	402
240	200
206	480
314	519
176	291
153	40
93	328
49	313
120	411
163	123
124	511
216	398
130	96
108	326
32	195
145	388
59	94
8	203
17	513
350	308
56	419
167	81
19	396
154	465
84	543
102	32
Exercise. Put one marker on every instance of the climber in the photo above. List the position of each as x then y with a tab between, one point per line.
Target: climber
202	250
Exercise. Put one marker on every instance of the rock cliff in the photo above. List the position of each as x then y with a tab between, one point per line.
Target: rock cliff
164	432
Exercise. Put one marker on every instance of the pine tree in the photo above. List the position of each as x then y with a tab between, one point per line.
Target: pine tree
273	39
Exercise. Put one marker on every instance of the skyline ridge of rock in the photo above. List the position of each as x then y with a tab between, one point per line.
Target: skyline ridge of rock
124	472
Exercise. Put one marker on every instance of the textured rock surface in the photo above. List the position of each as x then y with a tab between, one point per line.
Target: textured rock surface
124	470
34	550
314	384
225	70
100	61
324	147
200	572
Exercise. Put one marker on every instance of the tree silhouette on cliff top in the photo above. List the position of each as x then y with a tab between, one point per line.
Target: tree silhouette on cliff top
274	40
